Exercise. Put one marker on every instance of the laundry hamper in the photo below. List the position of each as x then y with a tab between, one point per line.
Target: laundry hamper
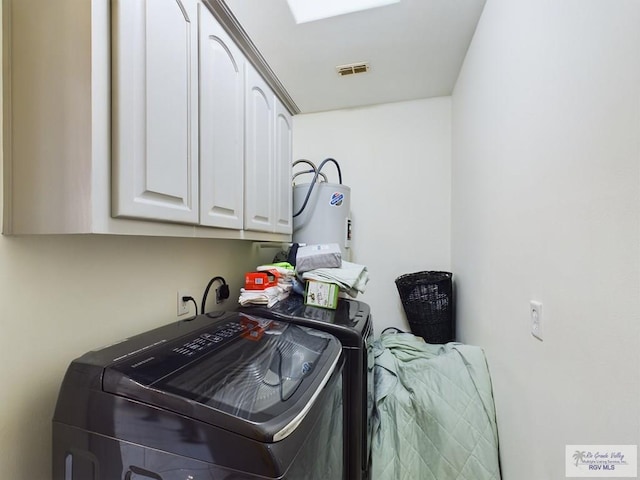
428	304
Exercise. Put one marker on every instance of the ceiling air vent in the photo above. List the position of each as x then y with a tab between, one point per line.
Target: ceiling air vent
352	68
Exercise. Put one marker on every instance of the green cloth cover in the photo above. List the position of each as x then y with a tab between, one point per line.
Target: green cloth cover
435	416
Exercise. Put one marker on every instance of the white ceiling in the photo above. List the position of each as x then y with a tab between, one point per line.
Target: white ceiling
415	49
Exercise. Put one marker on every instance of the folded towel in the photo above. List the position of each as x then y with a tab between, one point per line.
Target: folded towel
269	296
350	277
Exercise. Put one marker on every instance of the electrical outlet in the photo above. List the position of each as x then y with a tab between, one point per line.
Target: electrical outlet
222	293
535	313
183	307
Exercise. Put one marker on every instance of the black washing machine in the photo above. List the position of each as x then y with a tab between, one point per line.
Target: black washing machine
351	323
224	396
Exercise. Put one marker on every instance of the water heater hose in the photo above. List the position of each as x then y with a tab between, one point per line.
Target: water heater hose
315	178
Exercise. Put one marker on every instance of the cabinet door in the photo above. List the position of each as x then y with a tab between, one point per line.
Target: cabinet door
221	126
258	214
155	109
282	168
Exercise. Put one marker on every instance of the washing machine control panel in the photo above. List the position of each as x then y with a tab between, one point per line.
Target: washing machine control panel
153	362
208	340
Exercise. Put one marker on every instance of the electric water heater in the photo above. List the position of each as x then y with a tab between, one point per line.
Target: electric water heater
322	211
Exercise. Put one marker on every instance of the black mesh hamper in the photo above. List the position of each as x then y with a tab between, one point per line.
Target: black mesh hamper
428	303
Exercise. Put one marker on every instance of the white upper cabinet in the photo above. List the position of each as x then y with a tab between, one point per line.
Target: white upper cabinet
155	109
268	156
282	168
259	154
149	124
222	86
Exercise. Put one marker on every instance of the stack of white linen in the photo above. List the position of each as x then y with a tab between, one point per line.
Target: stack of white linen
271	295
350	277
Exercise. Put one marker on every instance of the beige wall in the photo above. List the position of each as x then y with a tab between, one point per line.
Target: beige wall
61	296
546	194
397	160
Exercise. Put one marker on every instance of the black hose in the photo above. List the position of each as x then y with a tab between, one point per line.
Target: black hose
313	182
337	168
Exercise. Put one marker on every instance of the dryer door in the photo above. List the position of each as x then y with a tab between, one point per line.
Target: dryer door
253	376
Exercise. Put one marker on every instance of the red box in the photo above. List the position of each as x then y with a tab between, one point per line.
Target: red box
260	280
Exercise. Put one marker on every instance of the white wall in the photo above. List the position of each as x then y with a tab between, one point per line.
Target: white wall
546	194
396	159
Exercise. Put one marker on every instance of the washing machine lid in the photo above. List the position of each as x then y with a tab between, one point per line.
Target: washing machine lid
249	375
350	321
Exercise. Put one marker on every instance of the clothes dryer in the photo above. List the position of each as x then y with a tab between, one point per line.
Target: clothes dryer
223	396
352	324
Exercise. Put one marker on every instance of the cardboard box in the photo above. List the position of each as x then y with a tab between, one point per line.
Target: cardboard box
321	294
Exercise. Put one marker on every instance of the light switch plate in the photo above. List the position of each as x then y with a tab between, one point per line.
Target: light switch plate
535	313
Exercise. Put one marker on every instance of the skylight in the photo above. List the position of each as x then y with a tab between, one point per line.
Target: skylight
311	10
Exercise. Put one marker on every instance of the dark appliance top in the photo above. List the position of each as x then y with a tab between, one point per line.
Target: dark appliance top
239	372
349	322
